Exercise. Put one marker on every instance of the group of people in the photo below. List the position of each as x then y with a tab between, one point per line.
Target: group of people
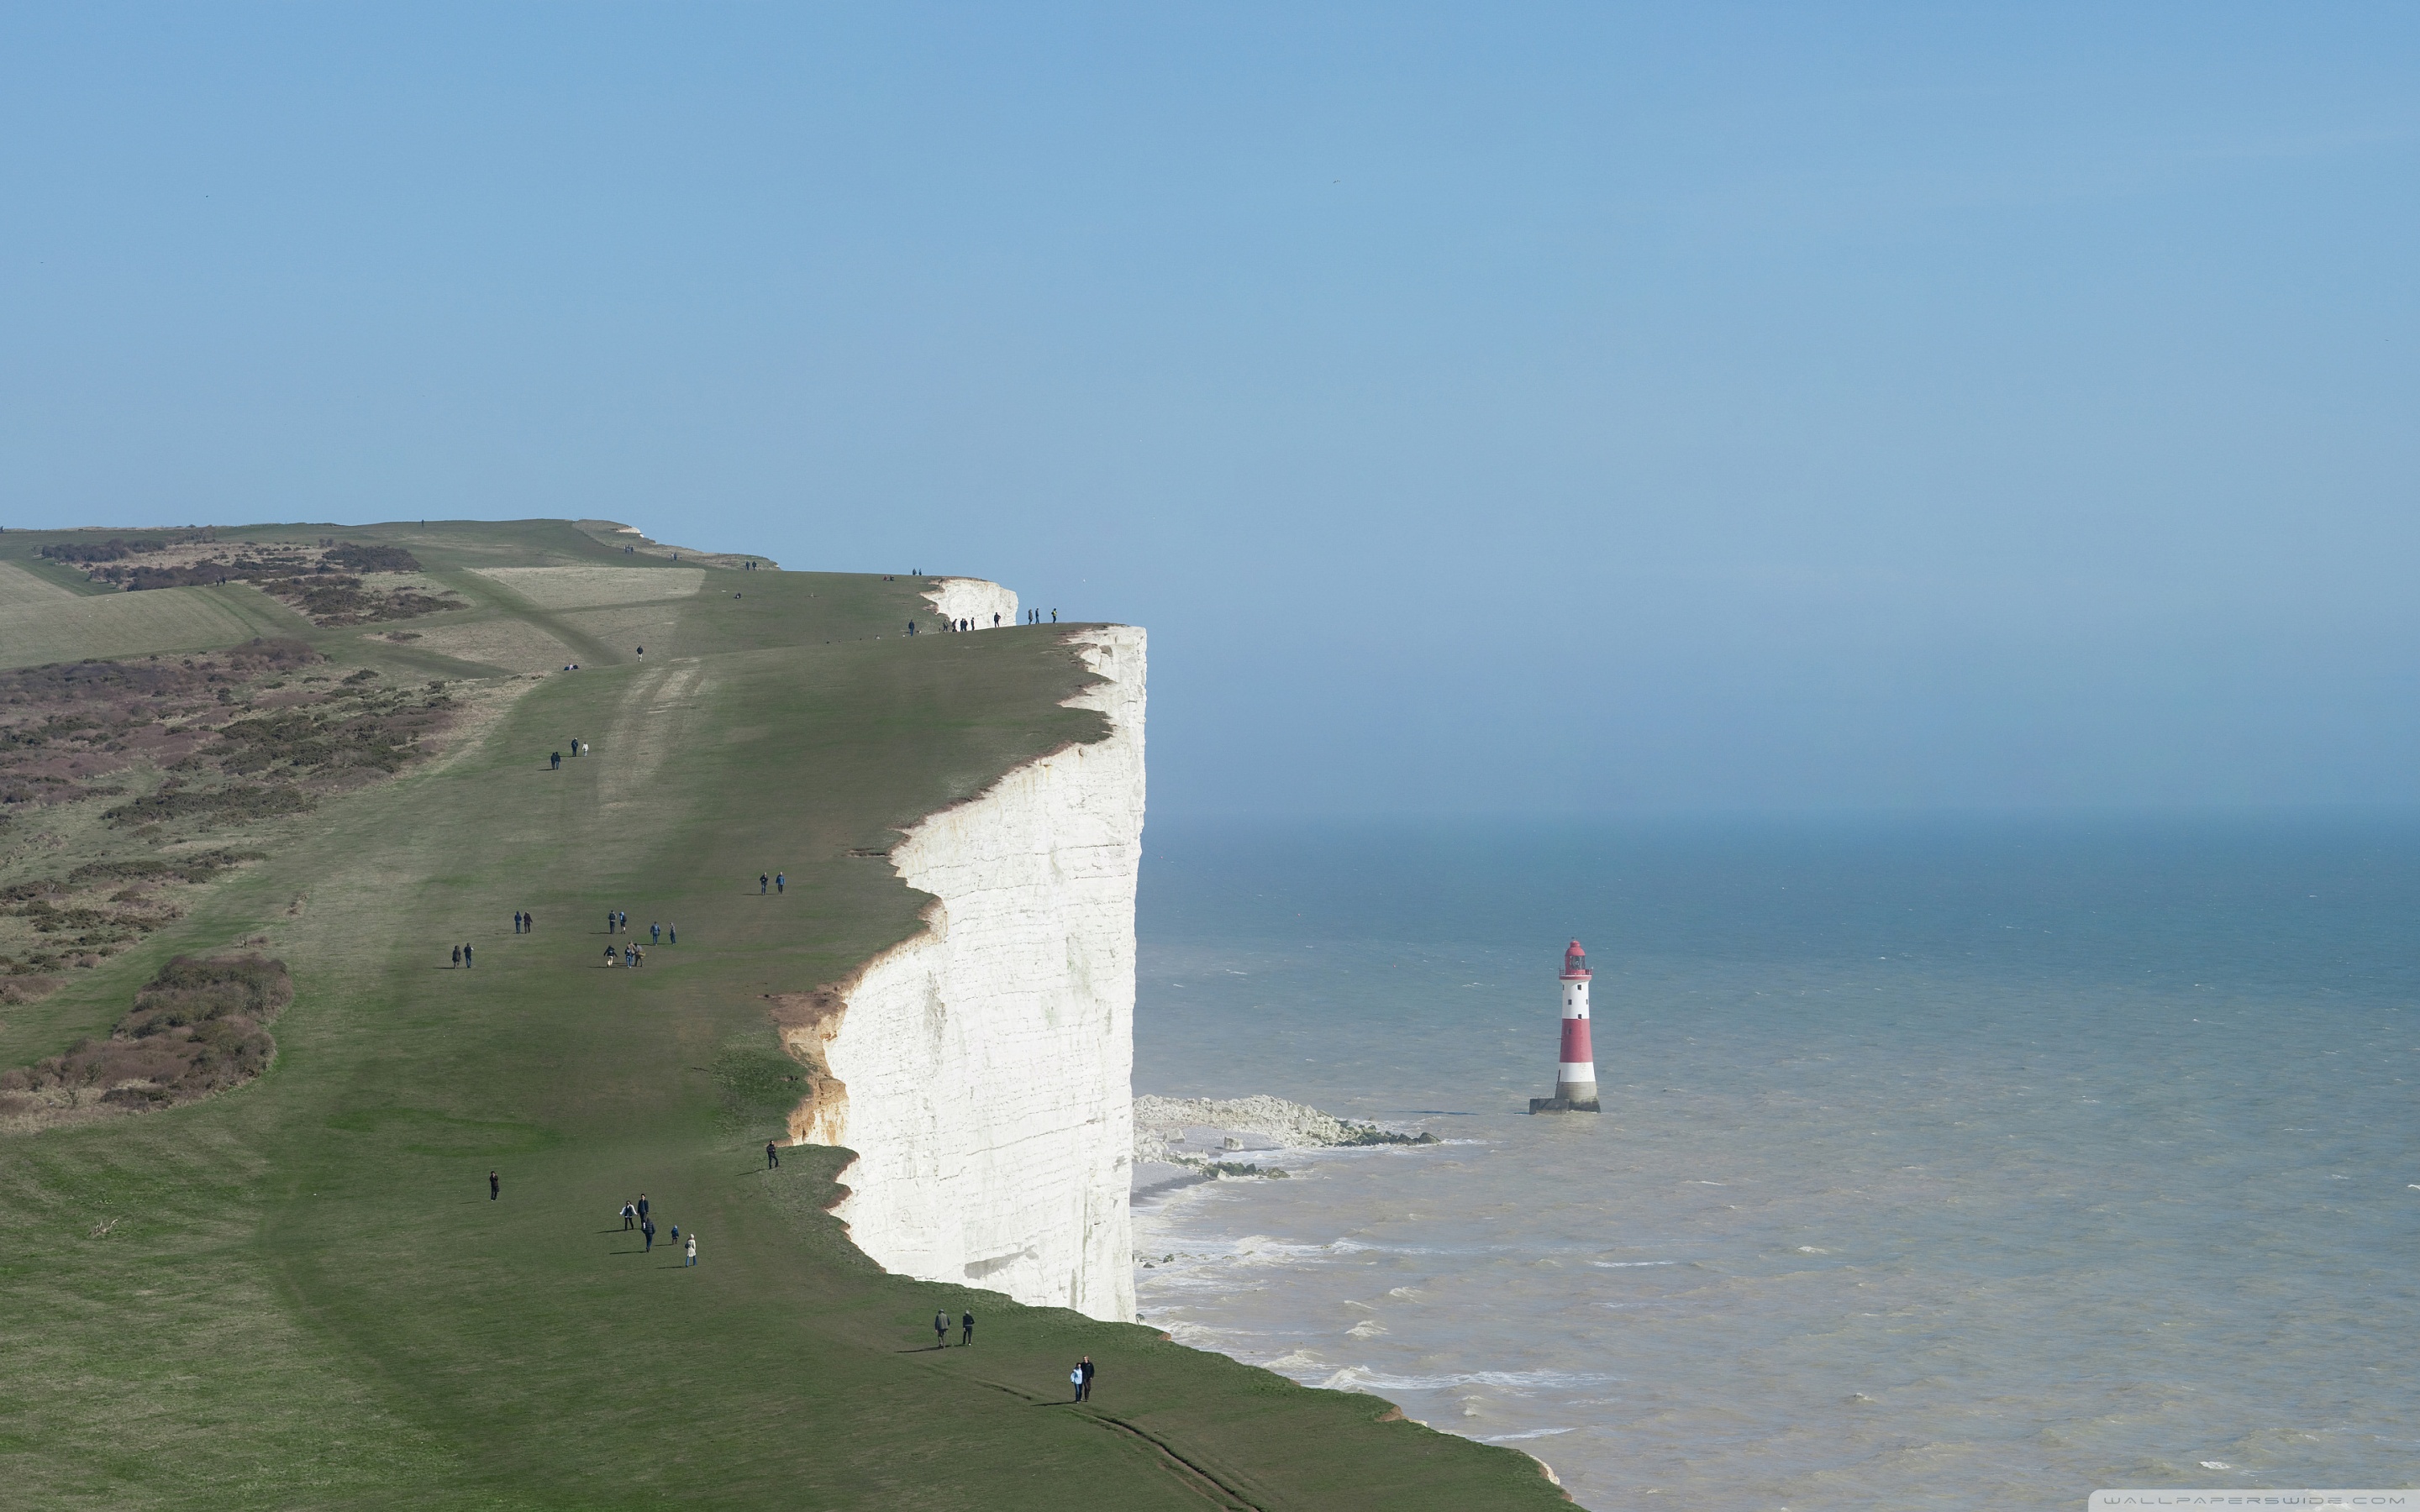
462	955
779	882
525	922
635	1215
1081	1378
617	921
941	1329
1033	616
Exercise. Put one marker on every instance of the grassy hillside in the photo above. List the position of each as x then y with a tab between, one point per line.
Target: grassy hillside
300	1293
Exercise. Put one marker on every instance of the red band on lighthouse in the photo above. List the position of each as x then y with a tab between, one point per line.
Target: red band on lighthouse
1575	1043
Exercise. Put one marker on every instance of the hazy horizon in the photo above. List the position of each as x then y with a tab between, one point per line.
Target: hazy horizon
1589	411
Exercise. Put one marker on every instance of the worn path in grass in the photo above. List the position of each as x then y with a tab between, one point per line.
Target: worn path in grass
307	1297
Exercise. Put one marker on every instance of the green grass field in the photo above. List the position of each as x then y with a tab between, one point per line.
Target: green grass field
306	1298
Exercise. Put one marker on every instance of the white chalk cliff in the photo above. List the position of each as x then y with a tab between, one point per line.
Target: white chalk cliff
973	599
982	1070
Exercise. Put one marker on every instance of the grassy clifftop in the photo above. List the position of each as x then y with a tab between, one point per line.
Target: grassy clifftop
300	1292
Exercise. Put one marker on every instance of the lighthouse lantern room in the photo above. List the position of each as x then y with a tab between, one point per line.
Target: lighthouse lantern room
1575	1068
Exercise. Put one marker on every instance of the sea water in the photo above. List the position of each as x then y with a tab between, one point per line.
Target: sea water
1941	1165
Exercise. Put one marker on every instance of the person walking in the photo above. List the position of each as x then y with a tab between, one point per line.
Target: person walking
692	1249
772	1156
629	956
554	760
762	883
671	933
643	1207
655	934
529	923
1076	1379
969	1321
609	921
1084	1392
458	955
781	883
495	1186
647	1230
466	958
629	1217
941	1331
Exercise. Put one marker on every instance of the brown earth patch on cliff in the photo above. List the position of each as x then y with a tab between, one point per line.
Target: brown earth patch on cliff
806	1023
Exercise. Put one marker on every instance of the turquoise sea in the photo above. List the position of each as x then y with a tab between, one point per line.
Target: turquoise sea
1942	1165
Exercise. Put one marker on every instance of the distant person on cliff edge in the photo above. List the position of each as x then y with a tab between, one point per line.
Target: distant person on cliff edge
969	1323
1054	616
1086	1368
941	1331
772	1156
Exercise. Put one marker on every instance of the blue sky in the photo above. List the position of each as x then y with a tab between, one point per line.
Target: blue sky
1545	410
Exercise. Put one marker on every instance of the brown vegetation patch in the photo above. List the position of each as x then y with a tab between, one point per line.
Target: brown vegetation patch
317	579
188	744
71	925
200	1026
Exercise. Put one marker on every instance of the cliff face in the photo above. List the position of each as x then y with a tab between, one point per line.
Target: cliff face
982	1070
973	598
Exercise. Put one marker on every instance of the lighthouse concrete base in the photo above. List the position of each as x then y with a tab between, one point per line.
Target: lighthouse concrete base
1564	1104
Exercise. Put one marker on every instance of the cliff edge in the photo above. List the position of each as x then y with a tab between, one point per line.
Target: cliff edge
981	1070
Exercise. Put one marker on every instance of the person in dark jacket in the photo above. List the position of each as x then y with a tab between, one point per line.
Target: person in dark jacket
969	1323
772	1156
495	1186
941	1331
648	1230
1085	1394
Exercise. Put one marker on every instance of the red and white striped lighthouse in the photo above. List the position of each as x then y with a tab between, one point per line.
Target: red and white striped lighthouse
1575	1073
